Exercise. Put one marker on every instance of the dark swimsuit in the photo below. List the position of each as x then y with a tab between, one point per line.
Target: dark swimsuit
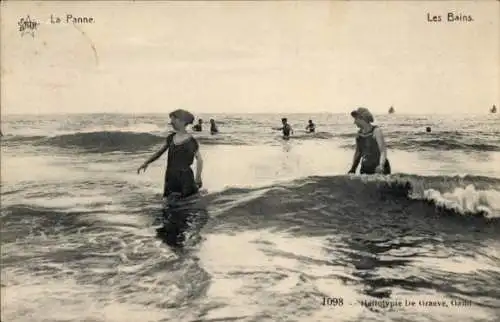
197	128
370	153
180	214
179	177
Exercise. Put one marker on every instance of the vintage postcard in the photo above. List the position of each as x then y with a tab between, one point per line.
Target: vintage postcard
250	161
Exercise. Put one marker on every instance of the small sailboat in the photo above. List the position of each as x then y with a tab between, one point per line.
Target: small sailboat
493	109
391	110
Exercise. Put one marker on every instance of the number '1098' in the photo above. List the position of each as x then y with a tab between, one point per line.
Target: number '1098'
333	301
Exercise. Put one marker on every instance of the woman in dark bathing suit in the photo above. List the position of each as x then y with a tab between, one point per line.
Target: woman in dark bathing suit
370	145
180	181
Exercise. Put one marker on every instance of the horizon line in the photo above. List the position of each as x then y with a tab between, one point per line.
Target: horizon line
238	113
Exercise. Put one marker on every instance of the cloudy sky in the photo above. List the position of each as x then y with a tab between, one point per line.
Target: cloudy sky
251	57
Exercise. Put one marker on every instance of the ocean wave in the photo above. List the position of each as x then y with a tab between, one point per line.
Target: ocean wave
311	136
12	139
462	196
420	144
132	141
364	199
357	206
443	144
369	235
219	139
466	200
443	140
104	141
111	141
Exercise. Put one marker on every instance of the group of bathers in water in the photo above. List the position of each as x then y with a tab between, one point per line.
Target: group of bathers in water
199	126
180	184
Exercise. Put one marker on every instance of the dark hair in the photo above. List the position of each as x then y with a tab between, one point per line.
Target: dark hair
183	115
363	113
284	119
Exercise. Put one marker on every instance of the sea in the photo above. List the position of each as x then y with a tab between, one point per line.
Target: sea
290	235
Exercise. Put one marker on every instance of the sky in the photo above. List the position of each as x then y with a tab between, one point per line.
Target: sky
251	57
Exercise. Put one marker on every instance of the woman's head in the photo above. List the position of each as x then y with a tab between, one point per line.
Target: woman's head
362	117
284	120
179	119
212	121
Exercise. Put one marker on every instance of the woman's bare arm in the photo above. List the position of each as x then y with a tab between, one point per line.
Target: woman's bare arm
199	166
356	159
154	157
157	154
379	137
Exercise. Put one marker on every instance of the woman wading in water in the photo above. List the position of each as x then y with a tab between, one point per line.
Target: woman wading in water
180	182
370	145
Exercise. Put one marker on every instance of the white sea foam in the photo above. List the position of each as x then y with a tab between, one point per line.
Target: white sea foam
467	200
